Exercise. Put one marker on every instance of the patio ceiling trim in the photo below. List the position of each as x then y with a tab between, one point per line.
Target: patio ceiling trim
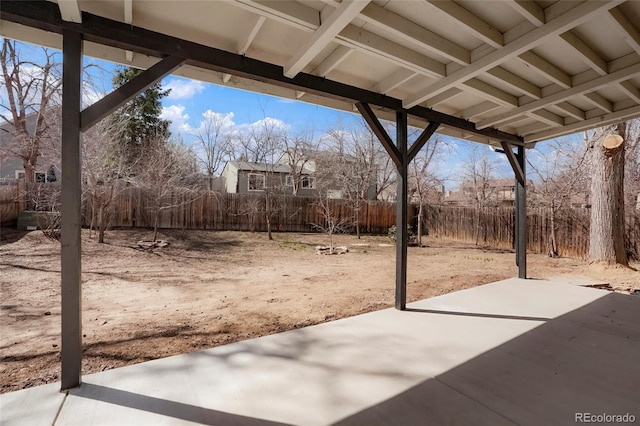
46	16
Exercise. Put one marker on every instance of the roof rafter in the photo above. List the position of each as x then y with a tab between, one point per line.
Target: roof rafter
547	117
574	17
444	96
600	120
128	19
599	101
630	90
586	53
626	28
415	34
571	110
254	27
70	10
546	68
478	109
333	60
529	10
492	93
394	52
470	22
563	95
326	32
393	80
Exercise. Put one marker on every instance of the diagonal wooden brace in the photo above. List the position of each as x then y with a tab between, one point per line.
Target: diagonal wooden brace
379	131
105	106
513	161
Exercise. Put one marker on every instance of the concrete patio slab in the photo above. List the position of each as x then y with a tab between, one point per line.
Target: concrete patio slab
578	280
512	352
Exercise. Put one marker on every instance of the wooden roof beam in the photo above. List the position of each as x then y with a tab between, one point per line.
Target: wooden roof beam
563	95
600	120
326	32
598	101
413	33
471	23
478	109
334	59
254	27
70	10
630	90
128	19
547	69
393	80
586	53
626	28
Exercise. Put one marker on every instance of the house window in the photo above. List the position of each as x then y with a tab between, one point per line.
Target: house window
308	182
289	181
256	182
20	174
41	177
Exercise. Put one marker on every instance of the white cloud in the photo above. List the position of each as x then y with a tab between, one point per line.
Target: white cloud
183	88
266	124
178	118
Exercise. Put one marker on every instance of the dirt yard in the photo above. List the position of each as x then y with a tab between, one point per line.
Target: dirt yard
211	288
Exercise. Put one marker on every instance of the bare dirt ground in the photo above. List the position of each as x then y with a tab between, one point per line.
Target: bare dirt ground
211	288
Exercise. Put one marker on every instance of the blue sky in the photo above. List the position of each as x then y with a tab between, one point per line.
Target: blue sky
190	99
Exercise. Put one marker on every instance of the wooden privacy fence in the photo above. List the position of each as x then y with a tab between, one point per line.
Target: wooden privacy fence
239	212
11	204
243	212
495	227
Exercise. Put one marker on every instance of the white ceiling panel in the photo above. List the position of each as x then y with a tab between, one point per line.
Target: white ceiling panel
538	69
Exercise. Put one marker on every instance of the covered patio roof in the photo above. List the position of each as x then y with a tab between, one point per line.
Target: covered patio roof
535	69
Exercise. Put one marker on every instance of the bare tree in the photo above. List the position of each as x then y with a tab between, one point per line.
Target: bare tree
562	174
32	90
299	150
105	168
479	172
331	222
423	183
632	189
214	141
354	166
166	173
607	231
261	142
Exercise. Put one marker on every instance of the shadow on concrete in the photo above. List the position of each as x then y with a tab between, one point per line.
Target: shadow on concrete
585	361
164	407
475	314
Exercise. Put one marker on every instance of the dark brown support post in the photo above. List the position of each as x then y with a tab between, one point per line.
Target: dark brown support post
71	266
402	207
521	216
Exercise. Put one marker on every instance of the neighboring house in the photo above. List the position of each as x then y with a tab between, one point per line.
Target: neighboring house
497	192
433	196
325	165
242	177
11	167
316	171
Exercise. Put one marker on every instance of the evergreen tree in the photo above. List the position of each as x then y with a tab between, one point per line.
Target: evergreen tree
142	114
